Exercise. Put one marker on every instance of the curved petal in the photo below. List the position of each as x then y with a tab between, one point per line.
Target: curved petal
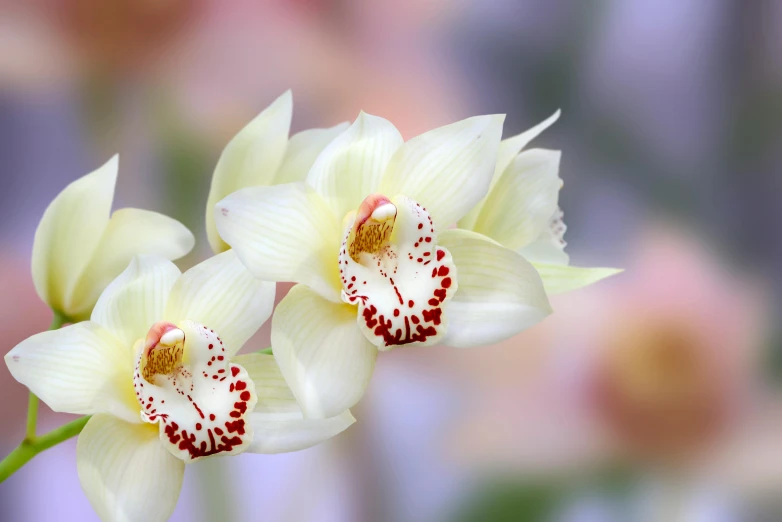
277	421
78	369
508	150
125	472
223	295
323	355
303	149
136	299
519	208
447	170
131	231
500	293
284	233
511	147
558	279
68	234
251	158
350	167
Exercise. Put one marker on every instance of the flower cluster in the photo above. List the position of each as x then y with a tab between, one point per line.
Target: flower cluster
452	237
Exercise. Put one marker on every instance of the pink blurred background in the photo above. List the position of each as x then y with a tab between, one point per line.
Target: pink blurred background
650	396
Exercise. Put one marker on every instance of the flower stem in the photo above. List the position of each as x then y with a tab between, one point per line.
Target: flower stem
266	350
30	447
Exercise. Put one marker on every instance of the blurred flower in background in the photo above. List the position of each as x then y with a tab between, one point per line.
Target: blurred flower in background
657	372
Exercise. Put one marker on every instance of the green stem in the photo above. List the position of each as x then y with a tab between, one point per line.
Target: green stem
266	350
29	448
32	445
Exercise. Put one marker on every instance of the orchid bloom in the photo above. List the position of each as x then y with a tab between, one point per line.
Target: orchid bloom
79	249
156	366
262	154
367	238
521	212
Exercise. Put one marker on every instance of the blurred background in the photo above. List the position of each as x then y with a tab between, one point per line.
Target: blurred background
650	396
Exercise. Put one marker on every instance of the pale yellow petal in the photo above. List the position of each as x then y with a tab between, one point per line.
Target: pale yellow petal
284	233
519	208
558	279
130	232
251	158
508	150
223	295
69	232
302	151
325	358
136	299
350	167
127	475
448	169
277	421
80	369
499	295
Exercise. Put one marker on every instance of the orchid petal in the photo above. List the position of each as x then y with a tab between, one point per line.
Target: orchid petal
125	472
448	169
136	299
500	293
284	233
323	355
130	232
277	421
78	369
223	295
69	232
251	158
350	167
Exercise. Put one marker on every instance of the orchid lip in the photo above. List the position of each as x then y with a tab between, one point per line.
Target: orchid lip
185	383
393	270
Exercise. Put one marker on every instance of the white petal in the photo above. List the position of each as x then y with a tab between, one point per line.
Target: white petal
68	234
350	167
78	369
125	472
303	149
277	421
558	278
251	158
508	150
136	299
511	147
447	170
284	233
223	295
323	355
520	206
499	294
130	232
283	432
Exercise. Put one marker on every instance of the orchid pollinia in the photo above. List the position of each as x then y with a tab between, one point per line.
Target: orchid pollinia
363	222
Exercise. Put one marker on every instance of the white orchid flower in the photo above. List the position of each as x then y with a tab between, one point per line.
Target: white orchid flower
521	212
367	238
262	154
79	249
156	366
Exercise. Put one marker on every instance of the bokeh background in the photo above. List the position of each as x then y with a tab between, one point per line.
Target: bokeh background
651	396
